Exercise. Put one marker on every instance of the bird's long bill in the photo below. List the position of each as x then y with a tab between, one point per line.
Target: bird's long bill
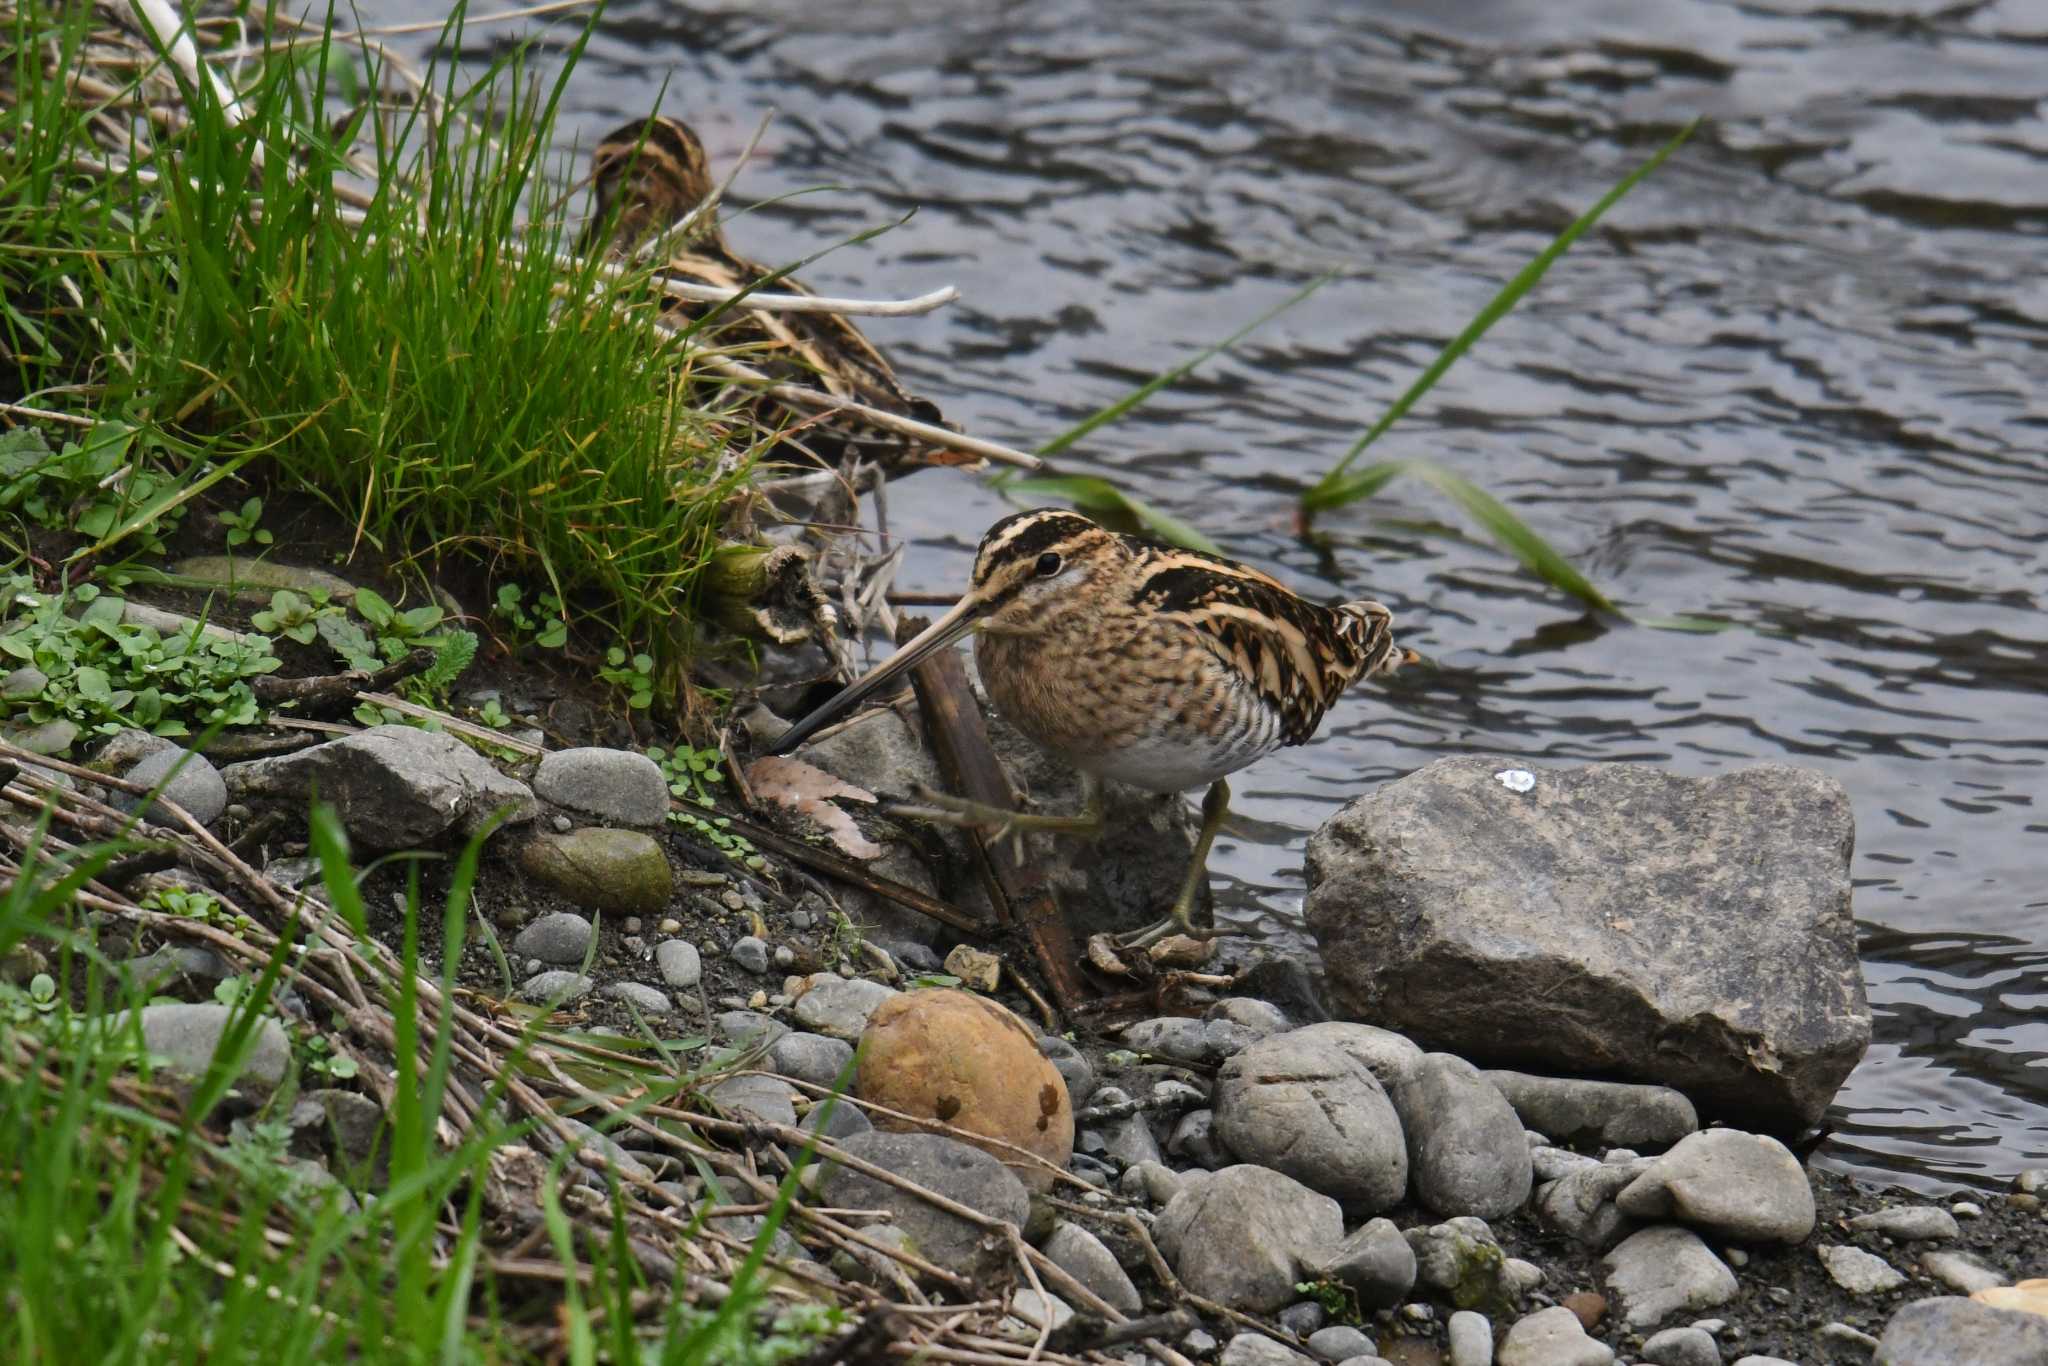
941	633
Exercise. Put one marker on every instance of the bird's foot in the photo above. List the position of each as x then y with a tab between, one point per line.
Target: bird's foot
996	823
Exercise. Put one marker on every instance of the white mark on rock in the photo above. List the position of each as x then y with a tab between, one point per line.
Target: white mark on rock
1516	779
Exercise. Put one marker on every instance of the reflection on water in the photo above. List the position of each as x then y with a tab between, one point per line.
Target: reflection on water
1797	382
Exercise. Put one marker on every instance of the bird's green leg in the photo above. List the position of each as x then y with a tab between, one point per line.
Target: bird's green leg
1214	807
1000	823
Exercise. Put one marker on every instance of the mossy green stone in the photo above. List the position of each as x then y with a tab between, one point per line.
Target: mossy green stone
604	870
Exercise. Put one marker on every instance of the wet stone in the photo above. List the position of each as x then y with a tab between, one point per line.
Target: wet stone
1198	1043
1301	1318
1606	1112
962	1173
1748	1187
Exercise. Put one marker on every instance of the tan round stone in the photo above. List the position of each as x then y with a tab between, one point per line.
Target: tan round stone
958	1058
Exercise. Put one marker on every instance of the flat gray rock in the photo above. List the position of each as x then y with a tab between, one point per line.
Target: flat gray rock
645	999
1909	1223
1690	932
1949	1331
1245	1235
184	1036
1375	1263
840	1006
559	937
1552	1337
616	785
961	1173
1961	1272
197	785
1261	1017
1611	1113
395	787
1304	1105
1748	1187
557	985
1080	1254
1664	1271
755	1096
751	954
1466	1153
1859	1272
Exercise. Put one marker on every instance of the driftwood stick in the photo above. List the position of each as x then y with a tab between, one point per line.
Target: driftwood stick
851	873
960	736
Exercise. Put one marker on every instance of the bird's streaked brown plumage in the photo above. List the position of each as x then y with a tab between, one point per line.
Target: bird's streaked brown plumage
646	177
1158	667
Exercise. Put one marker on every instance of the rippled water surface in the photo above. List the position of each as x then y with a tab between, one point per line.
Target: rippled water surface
1799	381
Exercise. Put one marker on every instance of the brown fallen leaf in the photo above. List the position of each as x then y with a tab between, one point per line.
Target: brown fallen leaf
1102	952
1182	951
809	790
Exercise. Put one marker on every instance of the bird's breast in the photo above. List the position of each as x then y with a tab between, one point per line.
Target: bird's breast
1142	708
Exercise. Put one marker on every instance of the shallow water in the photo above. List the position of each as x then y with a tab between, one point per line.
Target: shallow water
1796	382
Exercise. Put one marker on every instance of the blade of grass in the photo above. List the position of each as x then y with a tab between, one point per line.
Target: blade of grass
1103	417
1324	495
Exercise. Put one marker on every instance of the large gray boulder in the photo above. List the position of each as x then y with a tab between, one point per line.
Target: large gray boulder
396	787
1616	918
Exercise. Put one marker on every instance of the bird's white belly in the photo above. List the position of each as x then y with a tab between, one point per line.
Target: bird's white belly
1176	763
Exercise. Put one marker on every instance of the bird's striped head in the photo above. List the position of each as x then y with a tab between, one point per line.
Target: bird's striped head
651	173
1031	562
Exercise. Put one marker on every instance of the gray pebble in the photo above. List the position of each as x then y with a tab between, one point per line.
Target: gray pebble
563	937
1682	1347
742	1027
644	999
198	788
1857	1271
1302	1318
1849	1336
1961	1272
680	965
1073	1068
1194	1140
751	953
1341	1342
785	956
811	1057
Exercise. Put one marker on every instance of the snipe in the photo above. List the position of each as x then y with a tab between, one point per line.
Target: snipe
647	176
1157	667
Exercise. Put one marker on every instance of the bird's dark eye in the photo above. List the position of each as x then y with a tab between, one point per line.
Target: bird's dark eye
1048	565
